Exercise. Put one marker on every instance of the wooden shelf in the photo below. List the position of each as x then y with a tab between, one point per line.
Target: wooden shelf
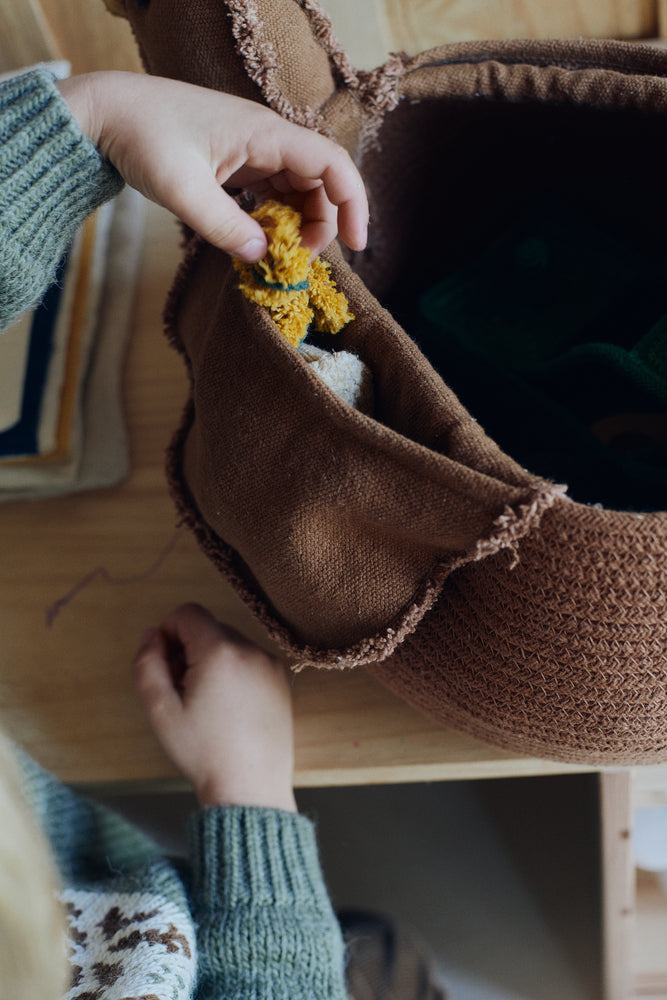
648	955
649	947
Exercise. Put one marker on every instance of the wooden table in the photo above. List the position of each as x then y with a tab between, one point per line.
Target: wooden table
65	691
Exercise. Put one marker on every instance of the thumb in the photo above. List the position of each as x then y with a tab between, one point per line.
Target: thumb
203	205
153	680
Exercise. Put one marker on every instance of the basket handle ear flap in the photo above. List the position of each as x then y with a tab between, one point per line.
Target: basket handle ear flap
282	53
263	50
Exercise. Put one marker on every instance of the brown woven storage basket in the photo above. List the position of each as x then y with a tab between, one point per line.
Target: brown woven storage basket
409	542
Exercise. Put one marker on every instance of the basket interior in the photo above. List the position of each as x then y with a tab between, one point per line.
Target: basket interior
522	247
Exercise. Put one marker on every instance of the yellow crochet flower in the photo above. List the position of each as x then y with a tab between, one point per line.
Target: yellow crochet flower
298	291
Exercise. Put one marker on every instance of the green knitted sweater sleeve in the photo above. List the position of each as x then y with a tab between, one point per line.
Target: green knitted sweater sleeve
266	928
88	841
51	178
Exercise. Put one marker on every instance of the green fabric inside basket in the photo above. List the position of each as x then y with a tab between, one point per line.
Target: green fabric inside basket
555	339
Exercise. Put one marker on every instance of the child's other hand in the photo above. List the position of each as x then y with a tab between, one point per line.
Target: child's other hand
178	143
221	708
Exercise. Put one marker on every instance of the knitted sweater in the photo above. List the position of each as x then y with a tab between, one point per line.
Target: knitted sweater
247	917
51	178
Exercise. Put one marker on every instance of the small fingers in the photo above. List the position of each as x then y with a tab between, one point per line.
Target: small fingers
285	183
153	679
292	160
204	206
319	220
191	623
201	638
342	183
300	160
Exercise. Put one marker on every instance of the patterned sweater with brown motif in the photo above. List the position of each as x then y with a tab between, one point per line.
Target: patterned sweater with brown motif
245	917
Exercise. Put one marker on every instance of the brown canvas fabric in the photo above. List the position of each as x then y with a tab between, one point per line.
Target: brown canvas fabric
347	524
408	541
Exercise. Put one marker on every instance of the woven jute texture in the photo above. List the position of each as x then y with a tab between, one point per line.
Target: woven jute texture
409	542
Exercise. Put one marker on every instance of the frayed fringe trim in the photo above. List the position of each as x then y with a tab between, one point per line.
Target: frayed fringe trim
512	526
261	63
323	33
377	91
507	530
193	247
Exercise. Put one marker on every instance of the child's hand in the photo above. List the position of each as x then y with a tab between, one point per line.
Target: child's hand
221	708
178	143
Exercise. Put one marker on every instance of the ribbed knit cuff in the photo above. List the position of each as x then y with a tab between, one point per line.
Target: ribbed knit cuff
242	856
266	925
51	178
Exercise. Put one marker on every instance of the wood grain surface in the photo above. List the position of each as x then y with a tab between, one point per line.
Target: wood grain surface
415	25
